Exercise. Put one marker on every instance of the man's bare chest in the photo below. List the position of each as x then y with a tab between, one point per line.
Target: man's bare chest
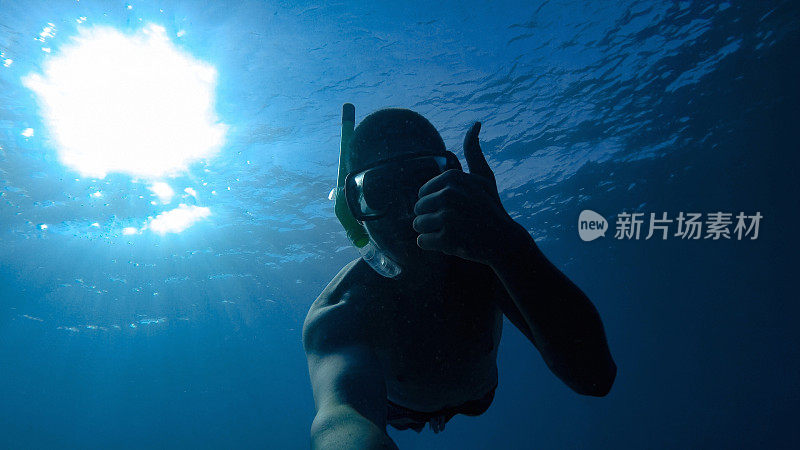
440	329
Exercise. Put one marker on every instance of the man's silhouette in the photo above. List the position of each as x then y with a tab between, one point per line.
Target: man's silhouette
422	347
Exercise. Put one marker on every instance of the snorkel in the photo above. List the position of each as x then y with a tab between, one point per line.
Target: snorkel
356	232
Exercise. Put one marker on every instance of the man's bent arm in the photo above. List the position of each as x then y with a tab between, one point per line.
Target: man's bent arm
562	323
350	396
342	427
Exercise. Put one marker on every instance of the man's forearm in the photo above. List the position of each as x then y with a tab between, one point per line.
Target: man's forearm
342	427
564	324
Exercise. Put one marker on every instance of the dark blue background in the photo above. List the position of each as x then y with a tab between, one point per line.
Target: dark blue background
623	106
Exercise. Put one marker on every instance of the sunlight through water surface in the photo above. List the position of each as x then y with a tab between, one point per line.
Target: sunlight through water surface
128	103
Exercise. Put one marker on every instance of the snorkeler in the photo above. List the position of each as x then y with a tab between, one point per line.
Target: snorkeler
408	333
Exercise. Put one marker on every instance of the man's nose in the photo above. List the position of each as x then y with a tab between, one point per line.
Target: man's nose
407	211
407	202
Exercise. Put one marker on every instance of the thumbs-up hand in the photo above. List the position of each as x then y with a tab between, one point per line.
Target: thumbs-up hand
460	213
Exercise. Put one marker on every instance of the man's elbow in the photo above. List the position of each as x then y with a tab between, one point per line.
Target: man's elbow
324	430
599	383
327	430
341	428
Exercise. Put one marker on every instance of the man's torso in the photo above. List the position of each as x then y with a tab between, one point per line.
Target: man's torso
436	340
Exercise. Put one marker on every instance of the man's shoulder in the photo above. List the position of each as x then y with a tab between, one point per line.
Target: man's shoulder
355	278
339	314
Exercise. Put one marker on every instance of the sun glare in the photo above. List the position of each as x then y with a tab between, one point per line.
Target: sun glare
163	191
178	219
128	103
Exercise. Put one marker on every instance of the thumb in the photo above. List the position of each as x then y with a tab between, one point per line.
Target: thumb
472	152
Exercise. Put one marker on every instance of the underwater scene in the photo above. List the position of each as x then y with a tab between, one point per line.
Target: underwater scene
177	189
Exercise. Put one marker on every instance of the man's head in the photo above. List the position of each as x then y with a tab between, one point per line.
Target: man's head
390	134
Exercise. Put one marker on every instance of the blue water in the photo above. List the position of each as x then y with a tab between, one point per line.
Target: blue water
192	340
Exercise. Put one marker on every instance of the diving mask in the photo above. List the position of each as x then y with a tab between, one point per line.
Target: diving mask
375	190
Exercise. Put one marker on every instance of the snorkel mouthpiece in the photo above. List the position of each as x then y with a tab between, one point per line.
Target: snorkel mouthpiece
356	232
